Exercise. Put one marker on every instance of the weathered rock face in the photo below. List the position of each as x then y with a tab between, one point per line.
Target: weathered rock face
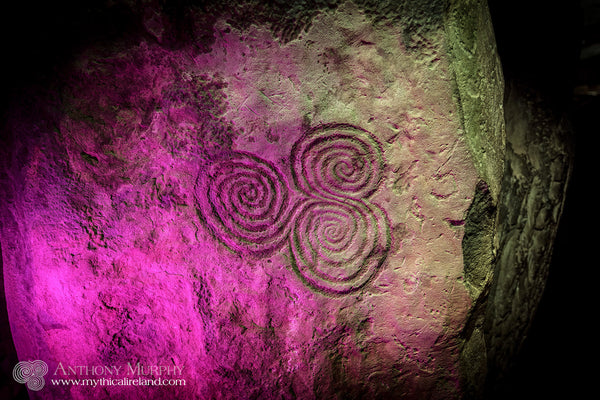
538	164
265	203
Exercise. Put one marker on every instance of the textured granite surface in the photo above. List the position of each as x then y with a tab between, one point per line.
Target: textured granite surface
266	202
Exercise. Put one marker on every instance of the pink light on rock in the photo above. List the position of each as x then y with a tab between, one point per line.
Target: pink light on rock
259	218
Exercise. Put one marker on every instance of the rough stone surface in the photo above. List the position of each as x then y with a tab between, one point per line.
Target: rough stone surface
539	160
479	87
283	201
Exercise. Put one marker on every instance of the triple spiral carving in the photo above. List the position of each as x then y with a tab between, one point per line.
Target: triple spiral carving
338	239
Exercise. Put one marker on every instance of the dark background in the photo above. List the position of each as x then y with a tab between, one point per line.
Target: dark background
553	47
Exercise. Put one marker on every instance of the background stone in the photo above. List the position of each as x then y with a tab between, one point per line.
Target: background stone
102	192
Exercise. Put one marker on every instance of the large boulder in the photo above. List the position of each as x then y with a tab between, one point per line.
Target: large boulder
252	200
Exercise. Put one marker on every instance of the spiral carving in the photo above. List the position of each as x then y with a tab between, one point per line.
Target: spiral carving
338	161
338	247
338	240
245	201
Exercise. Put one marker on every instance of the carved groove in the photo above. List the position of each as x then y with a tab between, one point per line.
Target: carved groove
338	247
245	202
338	240
338	161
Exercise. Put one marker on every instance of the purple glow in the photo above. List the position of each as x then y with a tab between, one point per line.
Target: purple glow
272	225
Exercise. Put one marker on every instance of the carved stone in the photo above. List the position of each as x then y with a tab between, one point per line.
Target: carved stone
284	201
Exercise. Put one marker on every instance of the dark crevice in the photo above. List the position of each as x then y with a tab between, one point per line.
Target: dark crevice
9	389
477	242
